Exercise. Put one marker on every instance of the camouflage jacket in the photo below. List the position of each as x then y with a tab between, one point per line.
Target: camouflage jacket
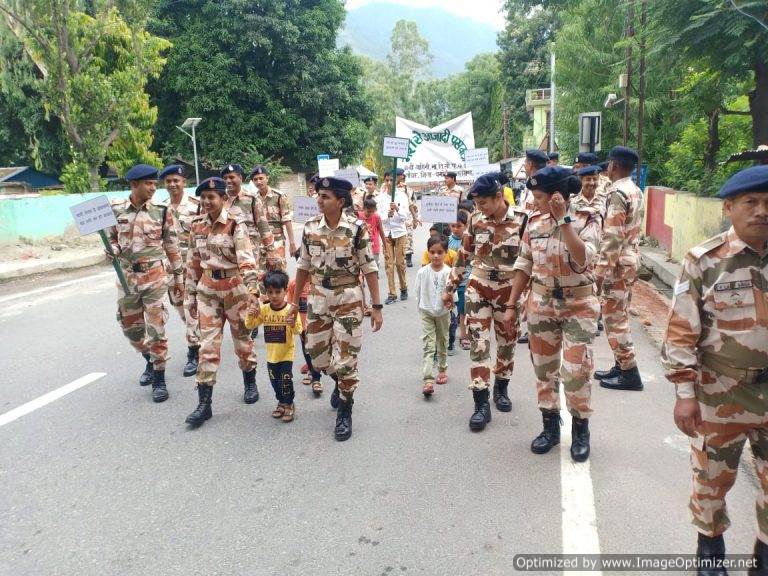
278	211
144	234
220	245
455	192
183	213
544	257
489	245
621	230
248	209
720	308
341	252
603	187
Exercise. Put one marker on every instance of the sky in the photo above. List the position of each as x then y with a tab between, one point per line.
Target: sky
487	11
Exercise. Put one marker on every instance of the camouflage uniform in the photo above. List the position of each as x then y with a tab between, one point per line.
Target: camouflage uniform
279	214
603	188
491	248
248	210
142	239
413	213
617	266
562	309
716	341
221	271
334	259
597	204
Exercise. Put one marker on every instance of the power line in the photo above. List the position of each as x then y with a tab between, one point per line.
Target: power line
748	15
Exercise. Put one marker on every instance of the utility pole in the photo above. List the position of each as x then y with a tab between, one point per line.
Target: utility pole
505	116
641	85
552	102
630	35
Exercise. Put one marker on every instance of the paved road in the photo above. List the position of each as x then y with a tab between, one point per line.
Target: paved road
103	481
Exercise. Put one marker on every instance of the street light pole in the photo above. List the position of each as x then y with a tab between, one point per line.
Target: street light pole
192	123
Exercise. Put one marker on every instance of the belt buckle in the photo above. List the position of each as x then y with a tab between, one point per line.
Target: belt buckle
493	275
326	283
558	293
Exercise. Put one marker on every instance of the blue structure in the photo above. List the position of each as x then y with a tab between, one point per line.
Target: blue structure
29	176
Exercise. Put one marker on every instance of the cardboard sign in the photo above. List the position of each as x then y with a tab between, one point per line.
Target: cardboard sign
326	168
304	208
478	171
349	174
396	147
442	209
93	215
476	157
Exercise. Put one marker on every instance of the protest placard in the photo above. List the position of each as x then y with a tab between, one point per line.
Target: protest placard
476	157
326	168
349	174
93	215
304	208
439	209
396	147
478	171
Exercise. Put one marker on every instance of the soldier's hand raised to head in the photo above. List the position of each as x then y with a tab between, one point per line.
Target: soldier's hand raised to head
687	416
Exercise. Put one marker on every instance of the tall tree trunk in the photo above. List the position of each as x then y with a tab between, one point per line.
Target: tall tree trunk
94	179
713	143
758	102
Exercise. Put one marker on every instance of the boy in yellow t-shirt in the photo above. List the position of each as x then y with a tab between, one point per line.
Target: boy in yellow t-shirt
450	256
280	340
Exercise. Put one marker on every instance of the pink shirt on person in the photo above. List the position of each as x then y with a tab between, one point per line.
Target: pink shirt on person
373	222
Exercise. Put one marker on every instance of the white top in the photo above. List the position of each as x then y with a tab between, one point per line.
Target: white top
395	226
430	287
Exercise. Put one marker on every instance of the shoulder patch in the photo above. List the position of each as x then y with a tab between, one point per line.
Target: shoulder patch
697	252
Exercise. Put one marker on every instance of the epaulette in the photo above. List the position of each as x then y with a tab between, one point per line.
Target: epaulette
118	201
697	252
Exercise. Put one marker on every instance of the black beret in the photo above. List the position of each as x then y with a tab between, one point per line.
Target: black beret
549	179
172	170
536	155
554	156
586	158
485	185
257	170
451	175
141	172
754	179
623	154
603	166
335	184
589	171
213	183
231	168
372	178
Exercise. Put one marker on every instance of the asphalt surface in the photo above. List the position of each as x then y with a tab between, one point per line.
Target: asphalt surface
103	481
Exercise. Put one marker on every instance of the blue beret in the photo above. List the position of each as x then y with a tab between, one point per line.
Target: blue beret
231	168
173	169
549	179
486	185
336	184
537	155
554	156
258	170
373	178
141	172
586	158
213	183
589	171
624	154
754	179
603	166
400	172
314	178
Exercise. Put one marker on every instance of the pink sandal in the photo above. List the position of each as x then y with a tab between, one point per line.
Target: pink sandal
442	378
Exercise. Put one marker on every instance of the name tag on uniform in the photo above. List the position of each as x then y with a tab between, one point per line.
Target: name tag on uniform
482	237
735	285
274	334
315	250
682	287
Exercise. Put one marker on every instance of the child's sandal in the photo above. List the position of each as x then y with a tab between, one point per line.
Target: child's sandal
288	413
307	380
428	389
279	411
317	387
442	378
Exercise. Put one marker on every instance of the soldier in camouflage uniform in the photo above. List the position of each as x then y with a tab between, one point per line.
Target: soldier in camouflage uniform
143	238
490	244
588	197
412	220
221	284
617	268
279	213
335	252
716	353
184	209
557	257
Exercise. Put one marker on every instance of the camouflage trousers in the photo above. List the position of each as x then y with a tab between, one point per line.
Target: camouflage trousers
731	414
217	301
409	236
335	333
191	323
561	333
142	314
617	297
485	305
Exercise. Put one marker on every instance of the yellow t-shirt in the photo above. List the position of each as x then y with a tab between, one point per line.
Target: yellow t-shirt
450	258
279	337
509	195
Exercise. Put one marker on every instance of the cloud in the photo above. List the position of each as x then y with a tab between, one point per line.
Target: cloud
486	11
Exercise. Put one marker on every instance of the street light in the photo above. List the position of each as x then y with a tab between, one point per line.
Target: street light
192	123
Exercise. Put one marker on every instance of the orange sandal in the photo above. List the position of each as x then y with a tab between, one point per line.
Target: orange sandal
307	380
428	389
317	388
288	413
279	411
442	378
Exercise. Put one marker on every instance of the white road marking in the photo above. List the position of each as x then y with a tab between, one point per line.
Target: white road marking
59	286
579	520
51	396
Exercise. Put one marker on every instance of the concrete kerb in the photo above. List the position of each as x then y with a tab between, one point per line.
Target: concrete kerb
22	269
656	261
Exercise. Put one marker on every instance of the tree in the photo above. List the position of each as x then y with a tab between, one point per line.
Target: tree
409	52
92	66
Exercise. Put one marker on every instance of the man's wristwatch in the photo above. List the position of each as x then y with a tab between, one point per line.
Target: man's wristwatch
565	220
377	306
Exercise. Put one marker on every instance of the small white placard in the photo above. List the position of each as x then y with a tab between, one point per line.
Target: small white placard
443	209
478	171
304	208
93	215
349	174
396	147
476	157
327	168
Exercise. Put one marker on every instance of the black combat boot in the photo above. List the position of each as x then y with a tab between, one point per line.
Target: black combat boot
251	393
600	327
482	414
403	295
343	428
607	374
146	377
580	439
761	559
409	260
711	551
193	354
203	410
626	380
550	436
159	391
500	398
335	393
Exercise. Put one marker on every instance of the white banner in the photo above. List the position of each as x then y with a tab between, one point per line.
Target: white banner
434	151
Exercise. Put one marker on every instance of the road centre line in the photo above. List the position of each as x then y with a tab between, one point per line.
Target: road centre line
37	291
51	396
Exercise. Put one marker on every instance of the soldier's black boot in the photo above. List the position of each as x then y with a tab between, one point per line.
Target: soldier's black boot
193	355
761	559
335	393
159	391
500	398
482	414
550	436
580	439
146	377
711	551
343	428
409	260
607	374
251	393
203	410
626	380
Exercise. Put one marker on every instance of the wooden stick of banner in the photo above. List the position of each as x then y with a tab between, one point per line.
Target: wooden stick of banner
115	263
394	177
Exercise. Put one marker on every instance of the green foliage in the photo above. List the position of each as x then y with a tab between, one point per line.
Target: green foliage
76	177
